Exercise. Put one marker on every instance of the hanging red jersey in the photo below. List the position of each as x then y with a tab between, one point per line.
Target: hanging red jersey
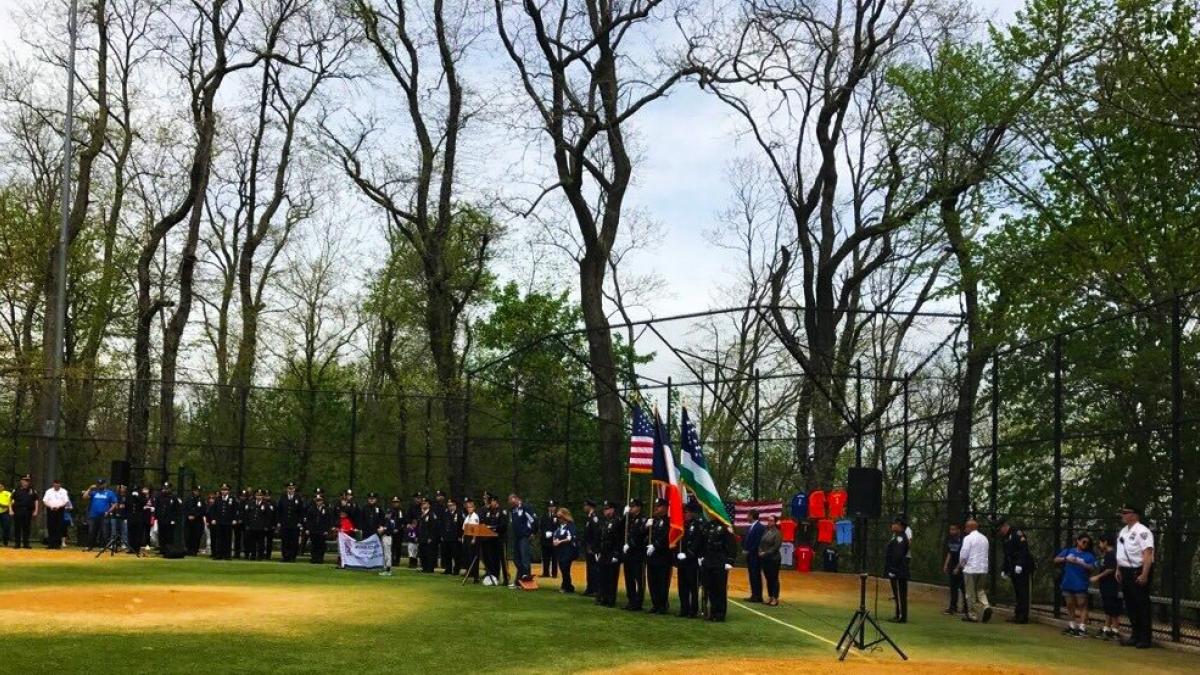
825	531
837	503
787	528
816	504
804	558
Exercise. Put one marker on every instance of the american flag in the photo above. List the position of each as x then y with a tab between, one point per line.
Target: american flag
741	512
641	443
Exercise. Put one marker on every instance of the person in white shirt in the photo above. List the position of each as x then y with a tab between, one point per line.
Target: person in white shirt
1135	572
57	502
973	565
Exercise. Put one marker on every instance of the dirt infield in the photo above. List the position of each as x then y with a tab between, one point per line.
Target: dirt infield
198	608
850	667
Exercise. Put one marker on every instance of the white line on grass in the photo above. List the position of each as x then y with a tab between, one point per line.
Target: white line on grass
798	629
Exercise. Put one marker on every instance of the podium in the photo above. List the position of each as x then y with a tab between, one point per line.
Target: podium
476	531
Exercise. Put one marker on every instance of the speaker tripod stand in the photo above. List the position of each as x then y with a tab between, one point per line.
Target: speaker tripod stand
855	634
116	544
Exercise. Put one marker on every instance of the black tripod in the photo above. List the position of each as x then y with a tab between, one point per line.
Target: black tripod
855	634
116	543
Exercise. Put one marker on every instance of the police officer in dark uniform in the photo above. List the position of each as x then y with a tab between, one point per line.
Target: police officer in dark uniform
691	547
396	516
272	525
451	523
429	534
220	517
318	522
716	559
289	513
608	555
194	510
546	526
168	511
258	521
241	506
371	516
25	505
591	546
1018	567
659	559
637	538
496	520
135	509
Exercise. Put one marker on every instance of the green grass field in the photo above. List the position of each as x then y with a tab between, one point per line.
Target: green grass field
183	616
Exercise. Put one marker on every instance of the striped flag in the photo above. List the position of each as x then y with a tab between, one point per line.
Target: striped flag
641	443
741	512
694	471
665	477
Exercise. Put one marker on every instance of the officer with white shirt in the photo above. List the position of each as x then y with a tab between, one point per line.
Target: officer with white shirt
57	503
973	565
1135	573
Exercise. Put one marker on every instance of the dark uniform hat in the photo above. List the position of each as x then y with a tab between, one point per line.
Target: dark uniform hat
224	486
590	502
373	495
661	502
439	493
259	493
291	483
99	481
900	520
166	486
196	488
319	497
1131	507
693	507
27	477
318	491
608	504
349	492
635	502
396	500
551	503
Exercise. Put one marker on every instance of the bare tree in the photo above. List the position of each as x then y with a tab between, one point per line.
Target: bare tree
421	54
579	73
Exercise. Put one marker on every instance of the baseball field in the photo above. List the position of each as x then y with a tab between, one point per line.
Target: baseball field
68	611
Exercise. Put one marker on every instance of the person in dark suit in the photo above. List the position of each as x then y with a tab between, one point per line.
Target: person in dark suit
716	561
564	541
753	562
896	568
691	548
548	523
659	558
591	547
1018	567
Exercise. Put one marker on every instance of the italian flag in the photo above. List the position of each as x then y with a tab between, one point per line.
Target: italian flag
665	477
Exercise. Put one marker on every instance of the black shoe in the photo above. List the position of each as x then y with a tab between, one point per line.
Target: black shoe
752	599
1143	645
987	614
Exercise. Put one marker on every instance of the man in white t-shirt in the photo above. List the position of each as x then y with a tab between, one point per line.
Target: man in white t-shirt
973	564
1135	572
57	502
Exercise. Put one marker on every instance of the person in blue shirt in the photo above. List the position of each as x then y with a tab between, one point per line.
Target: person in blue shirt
522	521
1077	564
753	562
100	500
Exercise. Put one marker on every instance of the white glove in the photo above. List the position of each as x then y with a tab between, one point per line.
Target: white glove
701	561
891	575
1018	569
728	567
597	556
625	549
549	534
681	556
625	512
650	549
615	561
1004	575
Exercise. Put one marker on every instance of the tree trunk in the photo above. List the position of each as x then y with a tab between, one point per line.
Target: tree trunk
604	373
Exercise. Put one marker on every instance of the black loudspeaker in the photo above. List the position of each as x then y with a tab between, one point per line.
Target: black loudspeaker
119	475
864	492
173	551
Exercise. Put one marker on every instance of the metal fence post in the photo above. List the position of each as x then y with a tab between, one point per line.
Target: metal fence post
243	397
994	501
904	465
353	436
566	486
464	469
757	433
1058	441
1176	558
858	436
428	439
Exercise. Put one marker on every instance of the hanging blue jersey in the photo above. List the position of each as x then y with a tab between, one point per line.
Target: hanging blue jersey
845	532
799	506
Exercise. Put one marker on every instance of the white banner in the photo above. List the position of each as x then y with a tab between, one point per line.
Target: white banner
360	555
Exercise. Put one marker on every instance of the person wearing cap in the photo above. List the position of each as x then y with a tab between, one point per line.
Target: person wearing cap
1135	574
973	565
289	513
896	568
687	559
388	531
168	511
220	517
452	524
258	521
141	513
1018	567
591	547
770	557
659	559
241	510
348	505
99	499
396	515
429	534
319	523
57	503
564	541
194	509
716	561
524	527
633	552
371	516
612	542
25	507
546	525
493	518
272	524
